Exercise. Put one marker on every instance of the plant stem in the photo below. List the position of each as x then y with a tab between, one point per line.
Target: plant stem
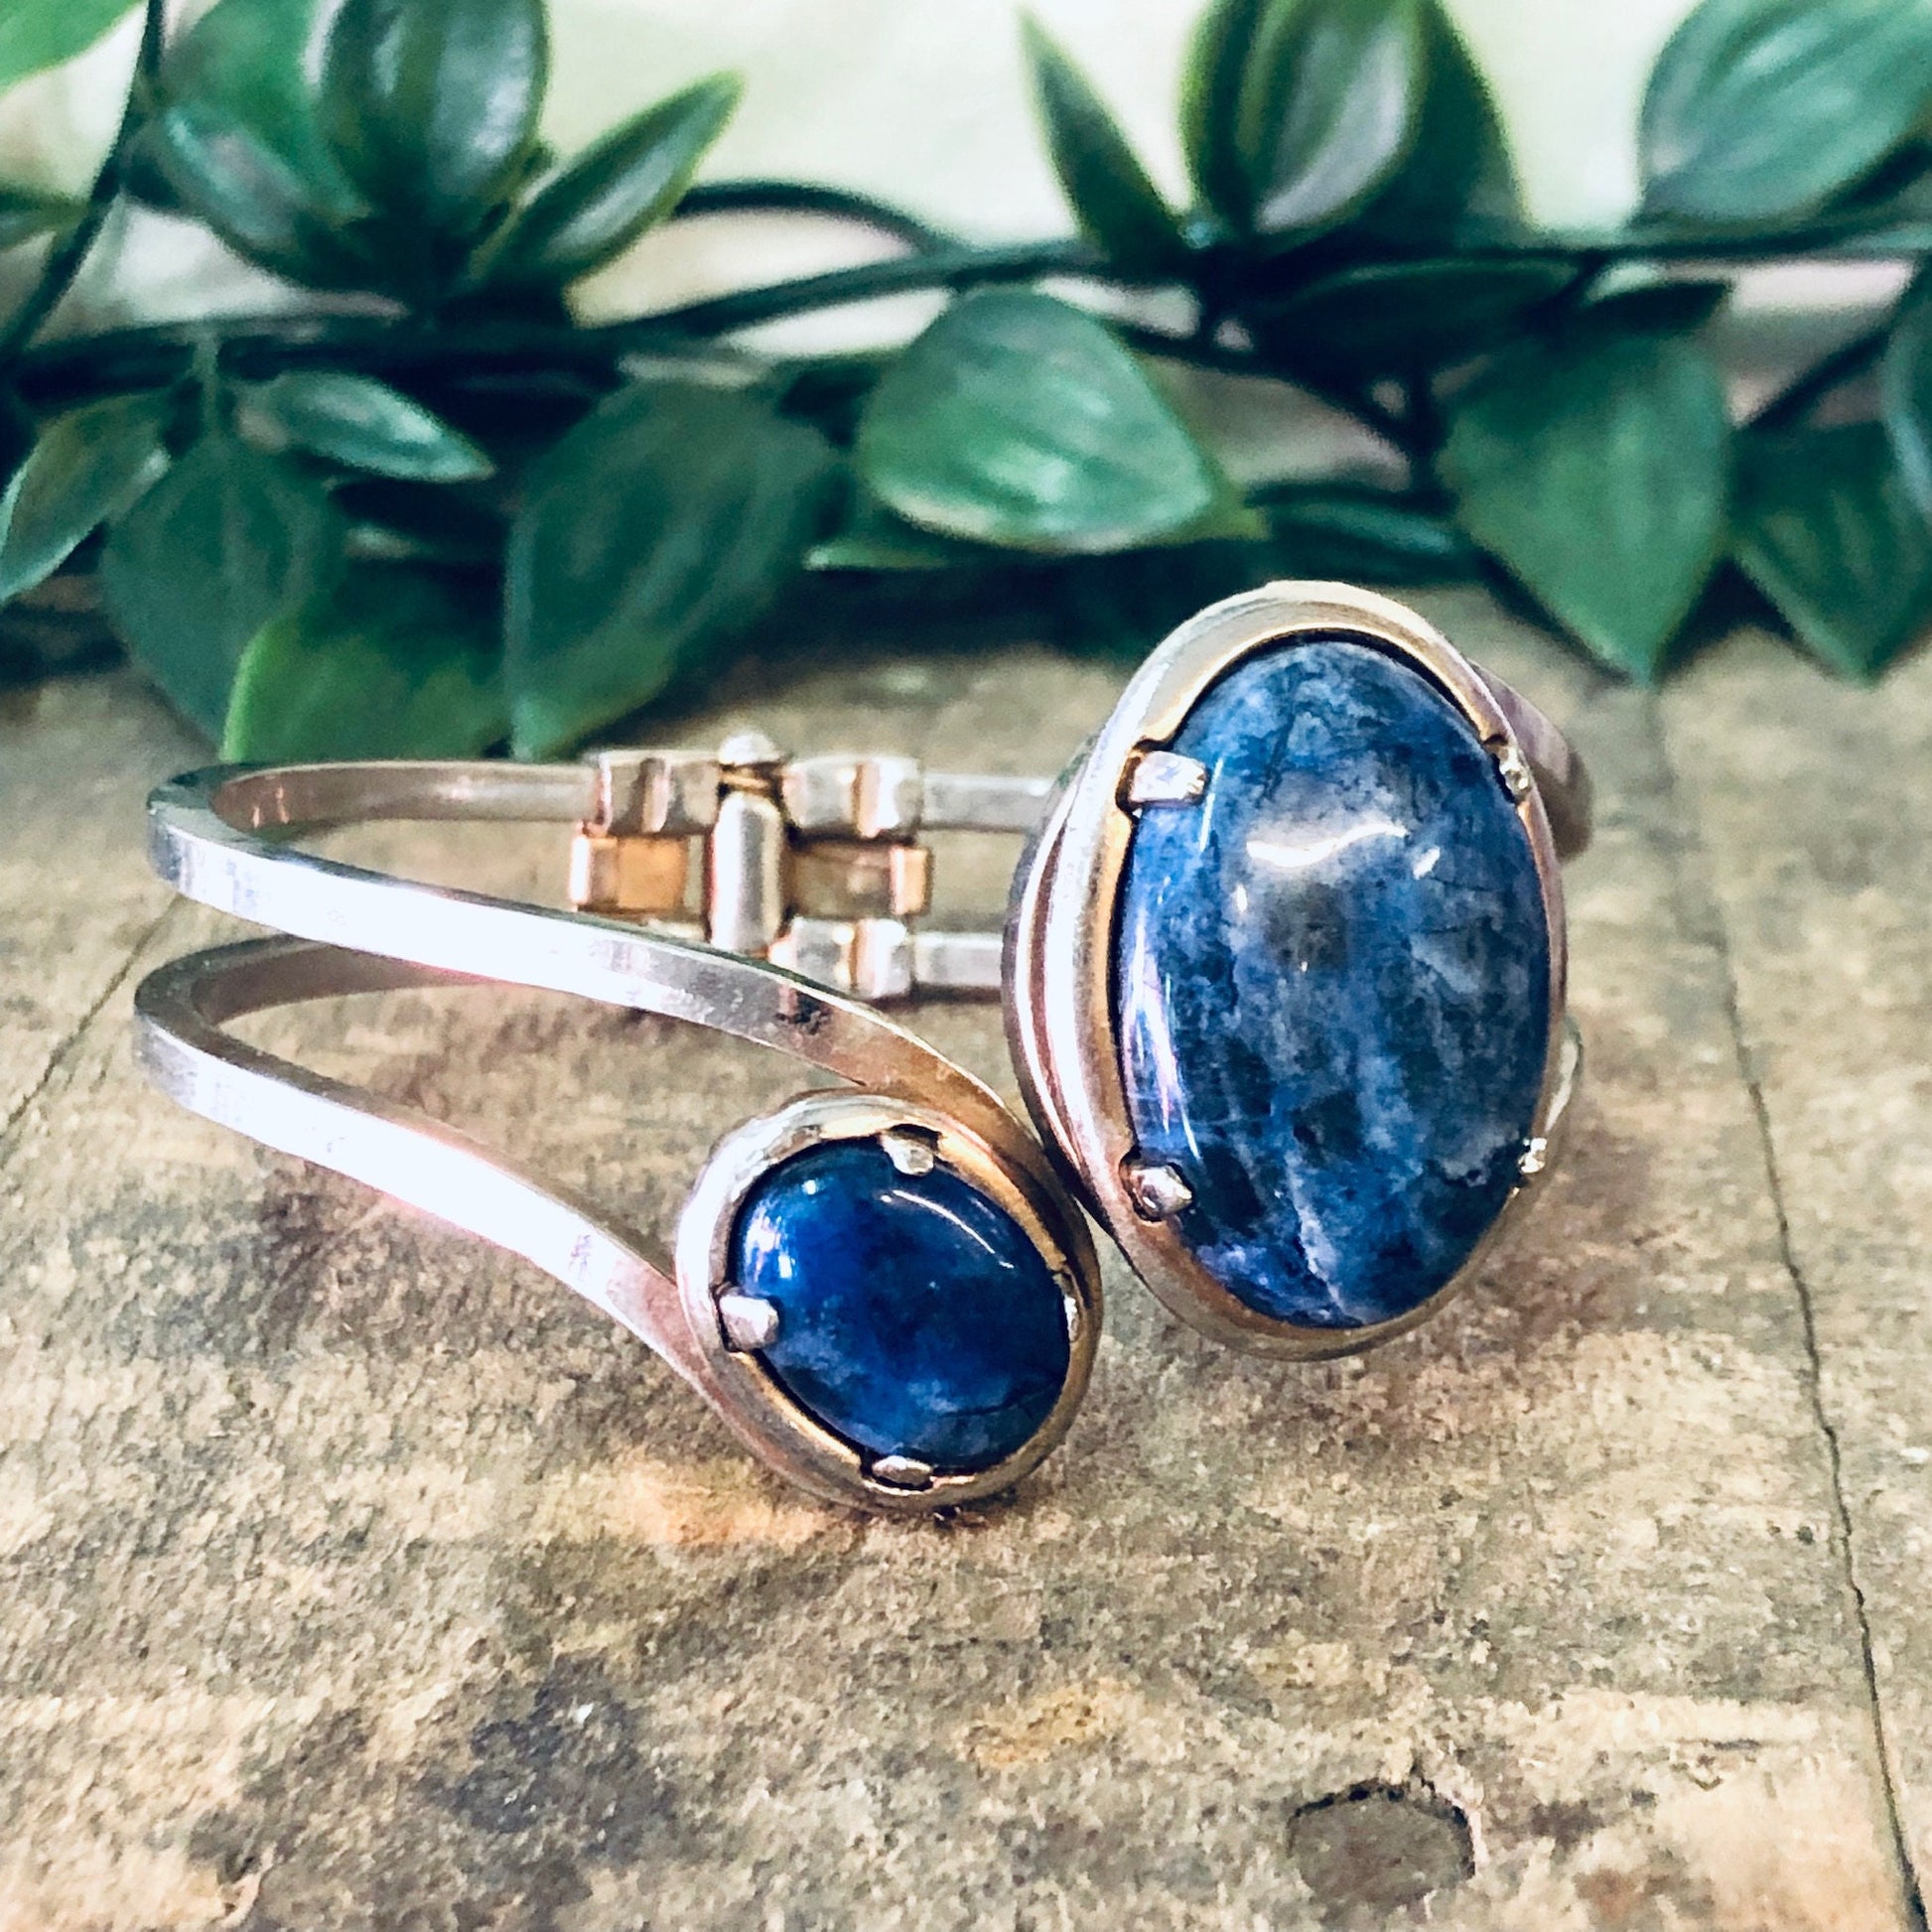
147	356
119	360
67	256
760	197
1792	403
957	267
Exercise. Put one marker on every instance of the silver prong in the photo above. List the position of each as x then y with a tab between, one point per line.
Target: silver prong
902	1471
909	1153
1166	778
1514	770
1534	1157
750	1320
1069	1303
1159	1193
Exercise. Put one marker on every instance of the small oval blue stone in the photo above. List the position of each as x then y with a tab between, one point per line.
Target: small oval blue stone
1332	986
915	1318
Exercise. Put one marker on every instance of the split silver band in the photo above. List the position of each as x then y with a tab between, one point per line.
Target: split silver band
183	1013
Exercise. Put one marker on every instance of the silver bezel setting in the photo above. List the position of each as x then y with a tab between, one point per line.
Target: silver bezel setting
1062	942
750	1396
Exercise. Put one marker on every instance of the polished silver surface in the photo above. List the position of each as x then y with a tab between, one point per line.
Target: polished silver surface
687	1311
744	887
1165	778
909	1153
647	824
1157	1191
902	1471
751	1322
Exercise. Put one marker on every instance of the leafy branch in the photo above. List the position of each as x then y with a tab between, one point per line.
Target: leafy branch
454	516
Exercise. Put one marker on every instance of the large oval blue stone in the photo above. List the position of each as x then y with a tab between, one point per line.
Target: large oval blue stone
1332	978
915	1318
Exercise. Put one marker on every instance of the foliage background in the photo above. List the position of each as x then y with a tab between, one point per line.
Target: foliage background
931	105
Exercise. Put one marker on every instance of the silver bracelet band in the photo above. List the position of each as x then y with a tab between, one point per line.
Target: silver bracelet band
682	1307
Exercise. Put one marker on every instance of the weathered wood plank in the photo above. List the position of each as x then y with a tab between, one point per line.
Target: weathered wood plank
77	758
1815	801
356	1576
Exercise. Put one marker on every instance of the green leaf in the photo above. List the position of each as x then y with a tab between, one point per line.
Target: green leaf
1328	108
86	467
1759	110
393	662
1828	531
1119	608
397	520
225	542
653	534
365	424
1018	420
1119	209
26	212
1596	469
237	142
432	104
872	538
1211	105
1457	170
1363	535
40	33
1905	388
1671	307
619	187
1397	318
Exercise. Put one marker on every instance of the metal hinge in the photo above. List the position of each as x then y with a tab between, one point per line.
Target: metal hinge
815	863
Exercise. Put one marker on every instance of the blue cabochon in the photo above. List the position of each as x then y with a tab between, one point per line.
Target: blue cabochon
915	1318
1332	986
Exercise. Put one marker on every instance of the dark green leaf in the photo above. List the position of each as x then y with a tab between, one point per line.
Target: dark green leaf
86	467
654	532
1328	108
40	33
1395	317
432	104
1119	209
1362	535
1759	110
237	142
1211	105
1018	420
392	662
1673	307
225	542
1828	531
872	538
614	191
26	212
1457	171
417	523
1119	608
1905	384
365	424
1596	469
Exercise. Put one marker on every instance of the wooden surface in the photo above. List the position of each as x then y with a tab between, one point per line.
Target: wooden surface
356	1576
